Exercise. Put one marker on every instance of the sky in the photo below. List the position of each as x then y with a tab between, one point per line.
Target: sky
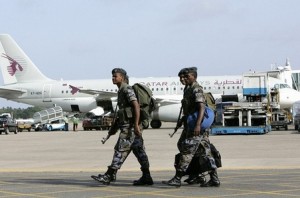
85	39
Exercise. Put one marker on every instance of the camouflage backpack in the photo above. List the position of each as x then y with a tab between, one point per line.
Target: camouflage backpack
210	101
146	101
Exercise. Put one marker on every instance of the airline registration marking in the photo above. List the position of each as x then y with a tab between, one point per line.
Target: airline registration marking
36	93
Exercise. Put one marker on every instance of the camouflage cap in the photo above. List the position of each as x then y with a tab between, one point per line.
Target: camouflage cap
119	70
192	70
183	71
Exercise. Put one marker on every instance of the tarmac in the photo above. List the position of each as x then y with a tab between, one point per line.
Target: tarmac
59	164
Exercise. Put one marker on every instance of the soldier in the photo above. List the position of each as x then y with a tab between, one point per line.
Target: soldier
194	178
130	138
193	100
181	76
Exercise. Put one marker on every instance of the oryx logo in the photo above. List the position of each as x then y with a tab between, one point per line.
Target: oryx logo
14	65
74	89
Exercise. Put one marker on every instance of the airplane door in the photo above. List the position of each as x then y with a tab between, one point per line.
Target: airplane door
47	93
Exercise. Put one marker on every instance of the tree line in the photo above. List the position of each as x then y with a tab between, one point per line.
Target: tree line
20	113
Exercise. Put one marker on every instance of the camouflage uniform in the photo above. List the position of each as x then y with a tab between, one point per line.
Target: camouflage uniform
187	143
190	144
128	141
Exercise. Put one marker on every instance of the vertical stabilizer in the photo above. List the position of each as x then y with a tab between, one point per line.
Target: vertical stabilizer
287	65
16	66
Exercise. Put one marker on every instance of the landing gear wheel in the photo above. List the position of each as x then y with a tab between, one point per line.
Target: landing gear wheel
155	124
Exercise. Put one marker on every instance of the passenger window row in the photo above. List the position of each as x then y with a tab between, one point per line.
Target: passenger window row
174	89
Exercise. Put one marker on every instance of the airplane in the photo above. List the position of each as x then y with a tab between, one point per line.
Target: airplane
25	83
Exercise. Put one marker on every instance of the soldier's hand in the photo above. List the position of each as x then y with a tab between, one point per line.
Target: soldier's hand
113	129
197	130
137	131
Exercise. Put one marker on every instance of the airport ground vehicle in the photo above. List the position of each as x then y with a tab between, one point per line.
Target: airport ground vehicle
24	126
58	125
279	120
250	116
47	116
296	115
7	125
97	123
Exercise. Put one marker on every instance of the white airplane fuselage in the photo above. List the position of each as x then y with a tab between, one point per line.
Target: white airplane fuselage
24	83
59	93
52	92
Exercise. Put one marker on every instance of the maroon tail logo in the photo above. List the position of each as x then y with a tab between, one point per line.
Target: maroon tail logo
74	89
14	65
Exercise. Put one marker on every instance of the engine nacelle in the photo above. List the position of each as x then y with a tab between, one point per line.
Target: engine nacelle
167	113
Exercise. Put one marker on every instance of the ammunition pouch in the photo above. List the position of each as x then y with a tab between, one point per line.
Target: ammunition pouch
125	115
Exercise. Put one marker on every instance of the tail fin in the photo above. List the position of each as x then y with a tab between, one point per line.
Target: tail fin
16	66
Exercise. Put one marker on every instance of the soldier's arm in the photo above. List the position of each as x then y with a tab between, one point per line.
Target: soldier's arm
136	111
199	119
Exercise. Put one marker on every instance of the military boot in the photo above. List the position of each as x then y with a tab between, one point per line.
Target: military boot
106	178
175	181
195	179
214	180
112	173
113	177
146	178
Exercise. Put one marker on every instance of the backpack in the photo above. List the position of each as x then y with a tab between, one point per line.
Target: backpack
145	99
198	166
210	101
216	154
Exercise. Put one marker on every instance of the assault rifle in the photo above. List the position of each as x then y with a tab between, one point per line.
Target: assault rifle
111	128
105	138
177	125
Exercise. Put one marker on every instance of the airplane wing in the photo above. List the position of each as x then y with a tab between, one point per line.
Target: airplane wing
108	95
97	93
101	94
10	93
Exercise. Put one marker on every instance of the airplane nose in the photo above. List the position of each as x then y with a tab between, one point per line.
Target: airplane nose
287	97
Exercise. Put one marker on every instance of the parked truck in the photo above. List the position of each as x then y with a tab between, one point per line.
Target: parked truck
8	124
97	123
